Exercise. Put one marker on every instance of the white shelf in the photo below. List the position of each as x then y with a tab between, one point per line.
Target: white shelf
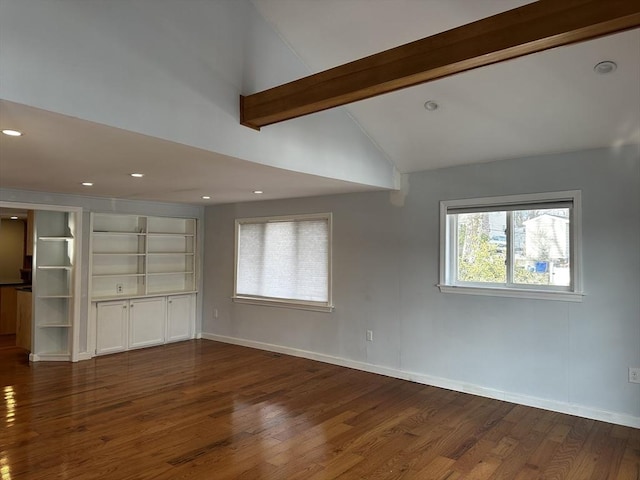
177	272
163	293
104	298
116	234
107	275
55	239
120	254
169	234
135	256
54	258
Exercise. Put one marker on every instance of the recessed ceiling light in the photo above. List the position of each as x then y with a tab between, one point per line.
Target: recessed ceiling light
605	67
12	133
431	105
14	218
258	192
206	197
87	184
137	175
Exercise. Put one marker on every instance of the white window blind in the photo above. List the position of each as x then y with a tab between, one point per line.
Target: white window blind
286	259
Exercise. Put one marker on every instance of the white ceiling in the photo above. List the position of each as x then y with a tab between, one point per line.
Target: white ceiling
542	103
59	153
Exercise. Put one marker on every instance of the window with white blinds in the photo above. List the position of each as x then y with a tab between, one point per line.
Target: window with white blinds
284	261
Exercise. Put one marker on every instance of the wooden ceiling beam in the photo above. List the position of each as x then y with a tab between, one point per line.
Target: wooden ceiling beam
531	28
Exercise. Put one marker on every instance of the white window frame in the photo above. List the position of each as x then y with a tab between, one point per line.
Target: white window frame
448	284
279	302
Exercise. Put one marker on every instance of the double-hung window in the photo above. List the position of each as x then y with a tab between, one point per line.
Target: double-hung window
284	261
518	245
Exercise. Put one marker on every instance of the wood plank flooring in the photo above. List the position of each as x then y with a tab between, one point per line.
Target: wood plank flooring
7	340
206	410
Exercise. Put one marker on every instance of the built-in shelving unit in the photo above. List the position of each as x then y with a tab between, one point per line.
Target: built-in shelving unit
170	255
54	259
137	256
143	280
118	255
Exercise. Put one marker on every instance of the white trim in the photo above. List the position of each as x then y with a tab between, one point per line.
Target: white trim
557	295
576	241
92	326
284	218
282	302
277	302
150	295
77	213
84	356
543	403
39	206
511	200
77	280
447	267
49	357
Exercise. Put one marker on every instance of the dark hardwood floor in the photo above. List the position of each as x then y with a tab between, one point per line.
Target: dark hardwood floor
7	340
206	410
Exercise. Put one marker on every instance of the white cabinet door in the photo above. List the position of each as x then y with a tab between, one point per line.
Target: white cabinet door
112	319
179	317
147	318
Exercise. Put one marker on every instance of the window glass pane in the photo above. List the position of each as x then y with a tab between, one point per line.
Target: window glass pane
541	247
285	259
482	247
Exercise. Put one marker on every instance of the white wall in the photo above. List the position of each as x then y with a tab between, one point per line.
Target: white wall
175	70
105	205
570	357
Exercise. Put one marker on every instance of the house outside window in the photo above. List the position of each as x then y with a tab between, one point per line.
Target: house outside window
519	245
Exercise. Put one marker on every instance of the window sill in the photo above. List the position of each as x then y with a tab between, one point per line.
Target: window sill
269	302
514	293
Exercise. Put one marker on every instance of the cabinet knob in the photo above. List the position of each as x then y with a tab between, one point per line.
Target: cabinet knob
124	306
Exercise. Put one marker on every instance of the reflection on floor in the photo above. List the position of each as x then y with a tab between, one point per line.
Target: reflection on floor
204	410
7	340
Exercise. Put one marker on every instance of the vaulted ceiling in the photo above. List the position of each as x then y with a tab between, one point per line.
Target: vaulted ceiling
543	103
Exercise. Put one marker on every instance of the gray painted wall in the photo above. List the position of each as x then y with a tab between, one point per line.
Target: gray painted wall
104	205
548	353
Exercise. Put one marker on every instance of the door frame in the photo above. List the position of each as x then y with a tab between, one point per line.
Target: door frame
77	274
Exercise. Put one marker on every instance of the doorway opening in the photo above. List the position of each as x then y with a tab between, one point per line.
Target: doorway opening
39	280
16	262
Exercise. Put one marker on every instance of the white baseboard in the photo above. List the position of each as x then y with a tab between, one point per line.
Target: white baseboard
84	356
44	357
553	405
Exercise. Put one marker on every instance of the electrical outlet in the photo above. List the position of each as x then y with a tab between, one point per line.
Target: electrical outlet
634	374
369	335
215	313
119	288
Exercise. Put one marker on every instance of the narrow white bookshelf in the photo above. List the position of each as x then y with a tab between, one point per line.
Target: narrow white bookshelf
54	256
